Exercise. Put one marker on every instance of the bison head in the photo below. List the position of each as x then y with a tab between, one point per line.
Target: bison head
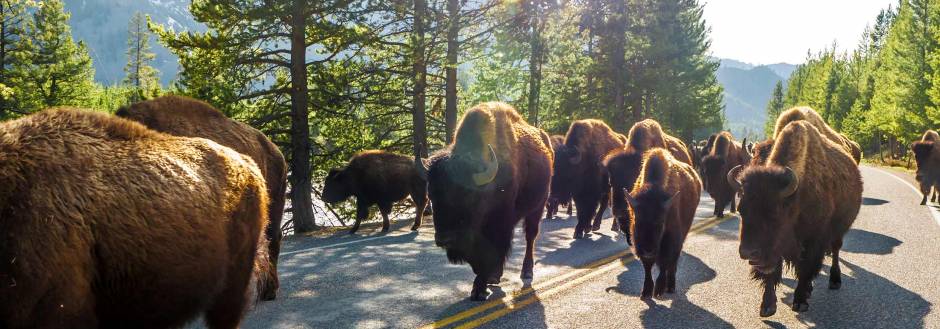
922	153
462	188
624	169
650	206
567	165
712	171
338	185
768	215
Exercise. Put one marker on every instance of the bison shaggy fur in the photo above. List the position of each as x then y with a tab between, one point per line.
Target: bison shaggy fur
664	201
927	156
623	165
109	224
183	116
724	155
496	172
806	113
579	171
377	178
796	208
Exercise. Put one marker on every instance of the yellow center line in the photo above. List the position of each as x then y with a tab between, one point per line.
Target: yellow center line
587	272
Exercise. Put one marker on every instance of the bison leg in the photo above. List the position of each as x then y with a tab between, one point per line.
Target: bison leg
599	216
586	210
496	276
570	207
935	196
385	209
229	306
479	291
551	208
734	206
769	281
925	190
420	200
806	270
835	272
531	225
661	279
647	292
362	212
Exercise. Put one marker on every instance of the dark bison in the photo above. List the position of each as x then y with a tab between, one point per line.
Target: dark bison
724	155
579	172
664	201
810	115
109	224
623	165
927	157
183	116
558	142
377	178
796	208
496	171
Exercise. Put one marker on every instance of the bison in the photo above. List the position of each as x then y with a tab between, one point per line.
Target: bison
579	172
623	165
810	115
109	224
558	141
187	117
377	178
664	201
927	157
796	208
495	172
724	155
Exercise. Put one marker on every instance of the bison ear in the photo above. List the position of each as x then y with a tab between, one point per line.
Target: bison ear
421	166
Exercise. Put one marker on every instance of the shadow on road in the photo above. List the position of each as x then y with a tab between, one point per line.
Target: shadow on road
873	202
865	242
691	271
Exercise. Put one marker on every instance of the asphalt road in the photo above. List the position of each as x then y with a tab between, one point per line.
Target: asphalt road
891	278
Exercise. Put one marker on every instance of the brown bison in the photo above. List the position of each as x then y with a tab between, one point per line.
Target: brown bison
377	178
927	157
187	117
724	155
810	115
558	142
796	208
496	171
664	201
623	165
579	171
109	224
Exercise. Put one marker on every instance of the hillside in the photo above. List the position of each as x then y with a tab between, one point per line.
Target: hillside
102	24
747	91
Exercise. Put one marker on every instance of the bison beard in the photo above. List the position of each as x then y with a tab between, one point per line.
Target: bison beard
724	155
114	225
496	172
579	173
623	165
664	201
795	208
927	157
187	117
377	178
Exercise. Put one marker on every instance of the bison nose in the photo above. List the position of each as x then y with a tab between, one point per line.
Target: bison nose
749	253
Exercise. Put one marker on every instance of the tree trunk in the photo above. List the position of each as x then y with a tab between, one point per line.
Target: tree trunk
453	47
535	69
420	81
301	201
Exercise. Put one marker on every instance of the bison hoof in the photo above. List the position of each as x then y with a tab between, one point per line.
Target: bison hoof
596	227
800	307
479	295
646	296
415	228
578	234
766	311
352	231
835	285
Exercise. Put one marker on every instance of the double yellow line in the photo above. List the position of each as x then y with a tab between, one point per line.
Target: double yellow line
509	304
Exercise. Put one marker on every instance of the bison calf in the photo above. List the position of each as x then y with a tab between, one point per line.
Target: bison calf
796	208
377	178
664	201
109	224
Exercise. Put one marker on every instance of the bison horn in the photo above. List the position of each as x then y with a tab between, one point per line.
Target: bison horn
630	200
576	158
733	177
422	168
490	166
794	183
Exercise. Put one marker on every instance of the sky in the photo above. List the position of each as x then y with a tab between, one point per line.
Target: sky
774	31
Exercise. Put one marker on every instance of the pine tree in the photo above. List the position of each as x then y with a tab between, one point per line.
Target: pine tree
140	74
13	22
59	70
774	108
